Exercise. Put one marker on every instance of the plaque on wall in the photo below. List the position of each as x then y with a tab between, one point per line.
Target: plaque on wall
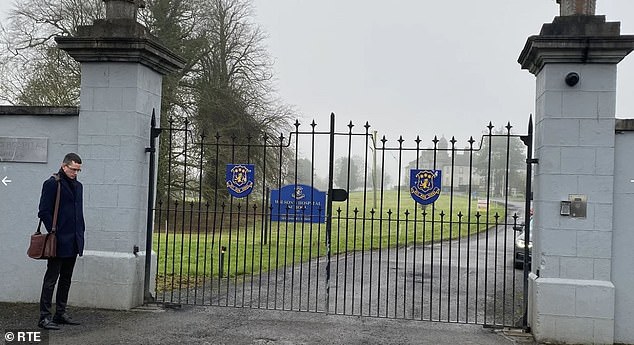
24	150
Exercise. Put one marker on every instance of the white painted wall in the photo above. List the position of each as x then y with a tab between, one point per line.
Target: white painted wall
114	129
573	295
623	239
110	135
22	276
117	99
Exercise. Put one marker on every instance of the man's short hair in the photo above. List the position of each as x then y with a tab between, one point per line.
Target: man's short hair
71	157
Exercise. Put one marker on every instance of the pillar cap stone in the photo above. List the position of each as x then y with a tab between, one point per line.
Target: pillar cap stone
576	39
624	125
120	38
145	51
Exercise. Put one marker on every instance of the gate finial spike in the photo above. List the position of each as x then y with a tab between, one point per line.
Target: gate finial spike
530	124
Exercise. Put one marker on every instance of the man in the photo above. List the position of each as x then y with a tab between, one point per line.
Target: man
70	239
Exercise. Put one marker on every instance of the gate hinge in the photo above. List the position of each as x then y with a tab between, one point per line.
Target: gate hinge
532	161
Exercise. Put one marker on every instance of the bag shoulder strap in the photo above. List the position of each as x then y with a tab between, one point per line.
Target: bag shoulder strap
59	187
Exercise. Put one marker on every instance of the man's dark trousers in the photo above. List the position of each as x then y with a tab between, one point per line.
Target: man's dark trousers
61	268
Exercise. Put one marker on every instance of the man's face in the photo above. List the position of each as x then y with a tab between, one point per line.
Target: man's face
71	169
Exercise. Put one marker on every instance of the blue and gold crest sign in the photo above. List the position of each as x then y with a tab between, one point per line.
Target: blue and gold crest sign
240	179
425	185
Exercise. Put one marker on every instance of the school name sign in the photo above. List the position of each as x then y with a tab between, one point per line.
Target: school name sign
298	203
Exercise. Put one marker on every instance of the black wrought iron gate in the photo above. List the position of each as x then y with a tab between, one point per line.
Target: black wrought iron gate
364	247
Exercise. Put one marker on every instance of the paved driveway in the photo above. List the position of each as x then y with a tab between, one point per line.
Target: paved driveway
216	325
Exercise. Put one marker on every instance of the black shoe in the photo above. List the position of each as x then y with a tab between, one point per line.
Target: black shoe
48	324
64	320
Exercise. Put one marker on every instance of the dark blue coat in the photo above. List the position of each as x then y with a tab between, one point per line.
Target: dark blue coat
70	218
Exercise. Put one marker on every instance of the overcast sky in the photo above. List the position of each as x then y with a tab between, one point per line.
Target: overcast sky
413	67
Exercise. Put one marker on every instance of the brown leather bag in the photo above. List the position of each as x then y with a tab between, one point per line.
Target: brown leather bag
44	246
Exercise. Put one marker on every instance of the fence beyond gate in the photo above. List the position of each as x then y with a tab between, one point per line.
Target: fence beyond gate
325	222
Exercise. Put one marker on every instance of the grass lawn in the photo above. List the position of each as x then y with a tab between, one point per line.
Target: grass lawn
252	245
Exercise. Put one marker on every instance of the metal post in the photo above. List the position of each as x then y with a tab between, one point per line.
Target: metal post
374	166
221	263
329	207
154	133
528	141
266	215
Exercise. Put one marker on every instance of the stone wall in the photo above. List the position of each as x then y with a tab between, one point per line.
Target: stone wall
623	235
22	276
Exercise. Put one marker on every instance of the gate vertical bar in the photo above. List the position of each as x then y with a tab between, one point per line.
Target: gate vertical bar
200	197
528	141
310	235
154	133
331	161
182	229
363	217
488	211
506	216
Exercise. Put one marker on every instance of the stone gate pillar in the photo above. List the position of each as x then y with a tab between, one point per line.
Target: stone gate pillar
121	72
574	58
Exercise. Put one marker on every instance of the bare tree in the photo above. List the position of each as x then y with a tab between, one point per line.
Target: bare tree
349	172
232	84
33	68
225	89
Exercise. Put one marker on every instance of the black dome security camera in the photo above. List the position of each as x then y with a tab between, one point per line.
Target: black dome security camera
572	79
